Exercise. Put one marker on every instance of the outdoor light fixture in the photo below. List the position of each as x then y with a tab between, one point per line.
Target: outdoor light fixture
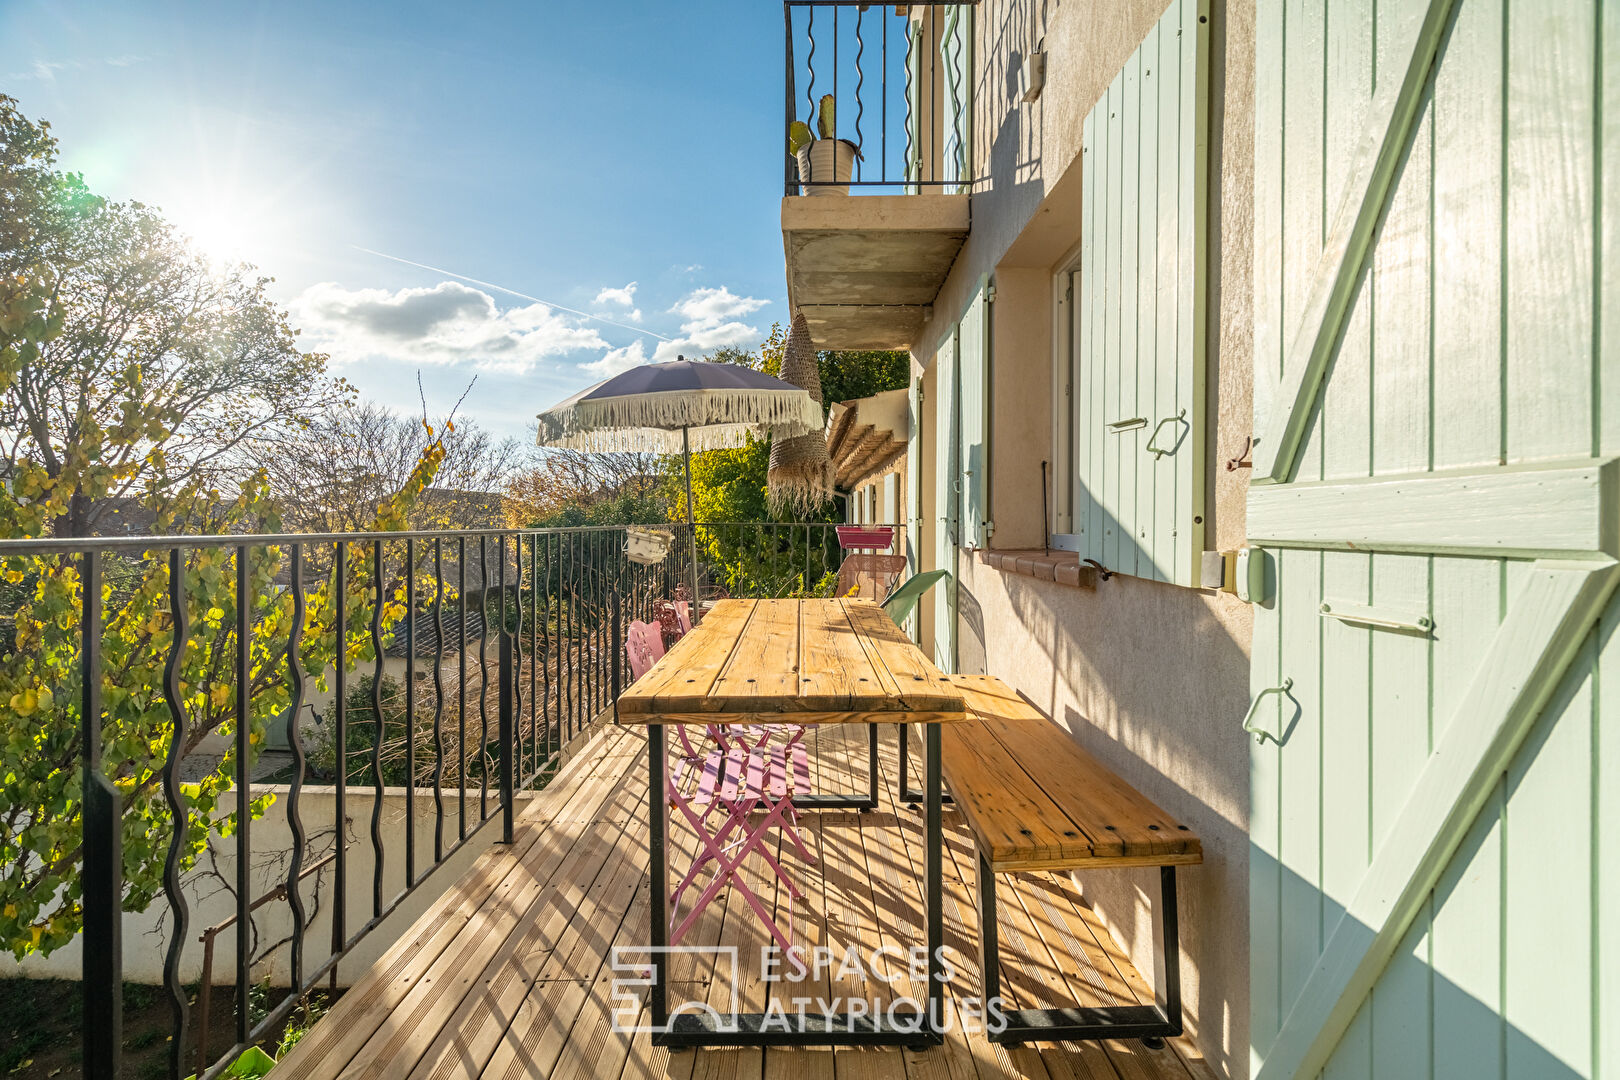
1032	78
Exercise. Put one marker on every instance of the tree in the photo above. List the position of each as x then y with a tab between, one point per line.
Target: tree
730	485
573	487
129	366
40	679
331	474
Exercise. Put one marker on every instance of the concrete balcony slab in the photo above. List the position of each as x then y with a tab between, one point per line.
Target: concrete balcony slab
865	268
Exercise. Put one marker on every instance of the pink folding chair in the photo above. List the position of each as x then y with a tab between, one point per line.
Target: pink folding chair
739	781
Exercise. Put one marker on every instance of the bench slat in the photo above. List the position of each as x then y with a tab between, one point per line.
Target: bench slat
1038	800
1011	817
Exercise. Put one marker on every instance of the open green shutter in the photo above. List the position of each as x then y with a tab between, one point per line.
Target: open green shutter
974	363
1140	308
947	488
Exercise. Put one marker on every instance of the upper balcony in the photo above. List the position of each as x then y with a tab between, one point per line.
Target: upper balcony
875	206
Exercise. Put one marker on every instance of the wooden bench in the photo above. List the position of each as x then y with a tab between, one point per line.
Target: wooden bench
1035	800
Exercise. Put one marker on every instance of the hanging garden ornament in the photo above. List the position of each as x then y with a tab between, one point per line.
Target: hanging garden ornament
801	475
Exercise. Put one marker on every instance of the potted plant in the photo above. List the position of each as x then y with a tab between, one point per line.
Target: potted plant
825	162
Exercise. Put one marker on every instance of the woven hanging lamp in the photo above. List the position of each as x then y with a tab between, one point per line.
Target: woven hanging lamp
801	475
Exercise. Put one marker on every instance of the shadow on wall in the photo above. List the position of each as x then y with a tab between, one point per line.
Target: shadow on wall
1013	154
1426	1017
1150	678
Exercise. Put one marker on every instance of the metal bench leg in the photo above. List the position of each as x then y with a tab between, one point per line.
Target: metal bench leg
907	794
1145	1022
989	938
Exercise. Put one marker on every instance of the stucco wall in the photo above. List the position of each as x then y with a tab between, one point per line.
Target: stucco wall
1152	678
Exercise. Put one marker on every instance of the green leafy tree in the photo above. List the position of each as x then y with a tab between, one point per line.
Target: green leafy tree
127	367
730	485
40	680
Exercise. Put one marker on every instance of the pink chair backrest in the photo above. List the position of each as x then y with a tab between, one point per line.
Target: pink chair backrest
645	644
683	616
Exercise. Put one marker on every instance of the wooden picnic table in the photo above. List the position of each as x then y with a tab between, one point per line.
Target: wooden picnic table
801	662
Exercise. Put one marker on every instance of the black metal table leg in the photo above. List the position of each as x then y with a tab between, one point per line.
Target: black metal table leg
909	794
868	801
934	854
658	836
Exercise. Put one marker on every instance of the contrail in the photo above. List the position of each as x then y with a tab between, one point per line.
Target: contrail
511	292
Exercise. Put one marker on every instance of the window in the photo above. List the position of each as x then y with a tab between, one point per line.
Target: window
1135	302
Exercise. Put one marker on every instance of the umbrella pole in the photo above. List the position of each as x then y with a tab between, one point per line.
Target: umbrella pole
691	526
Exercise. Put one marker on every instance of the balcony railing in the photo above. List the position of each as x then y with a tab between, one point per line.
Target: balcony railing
900	79
509	647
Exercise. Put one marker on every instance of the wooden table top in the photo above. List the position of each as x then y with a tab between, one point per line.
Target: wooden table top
808	661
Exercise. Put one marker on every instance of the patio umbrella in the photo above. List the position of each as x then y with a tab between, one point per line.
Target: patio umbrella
659	408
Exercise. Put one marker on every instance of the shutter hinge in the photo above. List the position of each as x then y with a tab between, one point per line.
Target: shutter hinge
990	293
989	529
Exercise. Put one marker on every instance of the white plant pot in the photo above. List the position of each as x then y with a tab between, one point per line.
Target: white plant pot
646	546
828	162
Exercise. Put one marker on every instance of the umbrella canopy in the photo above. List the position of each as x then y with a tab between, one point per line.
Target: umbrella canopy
662	408
653	409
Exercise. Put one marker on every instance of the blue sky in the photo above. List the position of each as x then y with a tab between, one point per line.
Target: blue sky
561	150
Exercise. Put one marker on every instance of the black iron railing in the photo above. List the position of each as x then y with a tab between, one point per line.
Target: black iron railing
522	631
900	78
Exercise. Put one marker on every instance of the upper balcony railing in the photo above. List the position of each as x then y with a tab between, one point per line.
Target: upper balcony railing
460	667
899	78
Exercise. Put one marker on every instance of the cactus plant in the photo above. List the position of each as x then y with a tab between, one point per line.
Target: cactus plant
800	136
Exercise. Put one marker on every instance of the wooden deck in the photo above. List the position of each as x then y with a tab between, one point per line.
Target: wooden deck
507	975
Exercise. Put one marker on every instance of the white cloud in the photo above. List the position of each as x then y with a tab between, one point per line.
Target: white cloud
709	307
711	321
635	315
616	361
450	323
623	297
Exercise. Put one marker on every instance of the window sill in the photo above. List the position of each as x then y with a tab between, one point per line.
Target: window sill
1062	567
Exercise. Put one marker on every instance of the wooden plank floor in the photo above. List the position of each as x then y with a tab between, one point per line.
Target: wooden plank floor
507	974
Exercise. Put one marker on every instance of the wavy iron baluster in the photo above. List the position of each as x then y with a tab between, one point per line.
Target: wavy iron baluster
295	823
911	40
860	79
438	700
810	65
483	678
517	654
174	699
410	713
377	730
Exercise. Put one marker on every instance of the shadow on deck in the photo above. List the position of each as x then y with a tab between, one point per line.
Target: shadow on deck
507	975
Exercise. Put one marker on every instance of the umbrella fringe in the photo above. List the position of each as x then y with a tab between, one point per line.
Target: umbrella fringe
717	418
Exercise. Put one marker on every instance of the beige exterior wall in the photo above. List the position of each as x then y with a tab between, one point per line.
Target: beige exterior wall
1152	678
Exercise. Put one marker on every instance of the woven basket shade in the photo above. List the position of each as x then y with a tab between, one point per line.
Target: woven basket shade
800	478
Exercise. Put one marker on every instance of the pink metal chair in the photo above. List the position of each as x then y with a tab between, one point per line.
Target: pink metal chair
738	780
645	644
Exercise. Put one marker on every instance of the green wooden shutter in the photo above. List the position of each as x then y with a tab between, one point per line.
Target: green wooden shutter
947	487
914	489
973	359
1140	308
1433	865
